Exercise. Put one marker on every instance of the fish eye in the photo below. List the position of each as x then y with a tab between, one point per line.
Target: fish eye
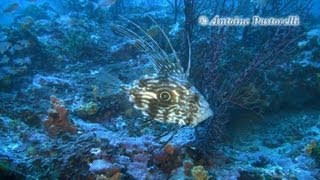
165	96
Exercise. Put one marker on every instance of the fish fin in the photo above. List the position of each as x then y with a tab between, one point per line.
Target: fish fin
142	45
109	84
189	56
163	63
176	62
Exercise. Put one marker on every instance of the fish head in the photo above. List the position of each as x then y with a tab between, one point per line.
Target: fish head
169	100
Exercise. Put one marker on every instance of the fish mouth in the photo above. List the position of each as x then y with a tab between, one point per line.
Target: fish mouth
209	113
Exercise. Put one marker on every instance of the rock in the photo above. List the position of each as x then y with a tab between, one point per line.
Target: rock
271	143
261	162
124	51
41	80
249	175
104	167
138	170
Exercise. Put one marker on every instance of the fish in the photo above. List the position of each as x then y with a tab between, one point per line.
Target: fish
4	46
11	8
83	3
104	4
25	22
166	95
25	43
32	1
22	61
4	60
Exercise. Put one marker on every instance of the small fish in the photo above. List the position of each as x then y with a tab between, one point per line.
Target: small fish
25	22
166	96
4	60
22	61
83	3
11	8
4	46
16	47
25	43
104	4
32	1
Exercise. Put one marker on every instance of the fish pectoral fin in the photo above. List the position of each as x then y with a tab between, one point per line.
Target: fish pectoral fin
109	84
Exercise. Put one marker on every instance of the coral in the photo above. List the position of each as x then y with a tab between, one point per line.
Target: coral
199	173
188	165
167	160
88	109
313	150
58	121
242	70
169	149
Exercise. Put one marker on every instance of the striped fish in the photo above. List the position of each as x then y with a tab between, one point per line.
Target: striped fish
166	96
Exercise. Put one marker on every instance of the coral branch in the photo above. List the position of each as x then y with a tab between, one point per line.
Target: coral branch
58	121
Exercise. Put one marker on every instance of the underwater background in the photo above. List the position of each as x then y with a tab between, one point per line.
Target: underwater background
62	115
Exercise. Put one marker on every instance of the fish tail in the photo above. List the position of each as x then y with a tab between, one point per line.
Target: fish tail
95	6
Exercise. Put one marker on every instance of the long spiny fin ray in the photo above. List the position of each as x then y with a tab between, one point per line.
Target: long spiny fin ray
164	65
158	59
145	33
189	56
168	40
178	62
154	57
142	44
124	33
146	46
